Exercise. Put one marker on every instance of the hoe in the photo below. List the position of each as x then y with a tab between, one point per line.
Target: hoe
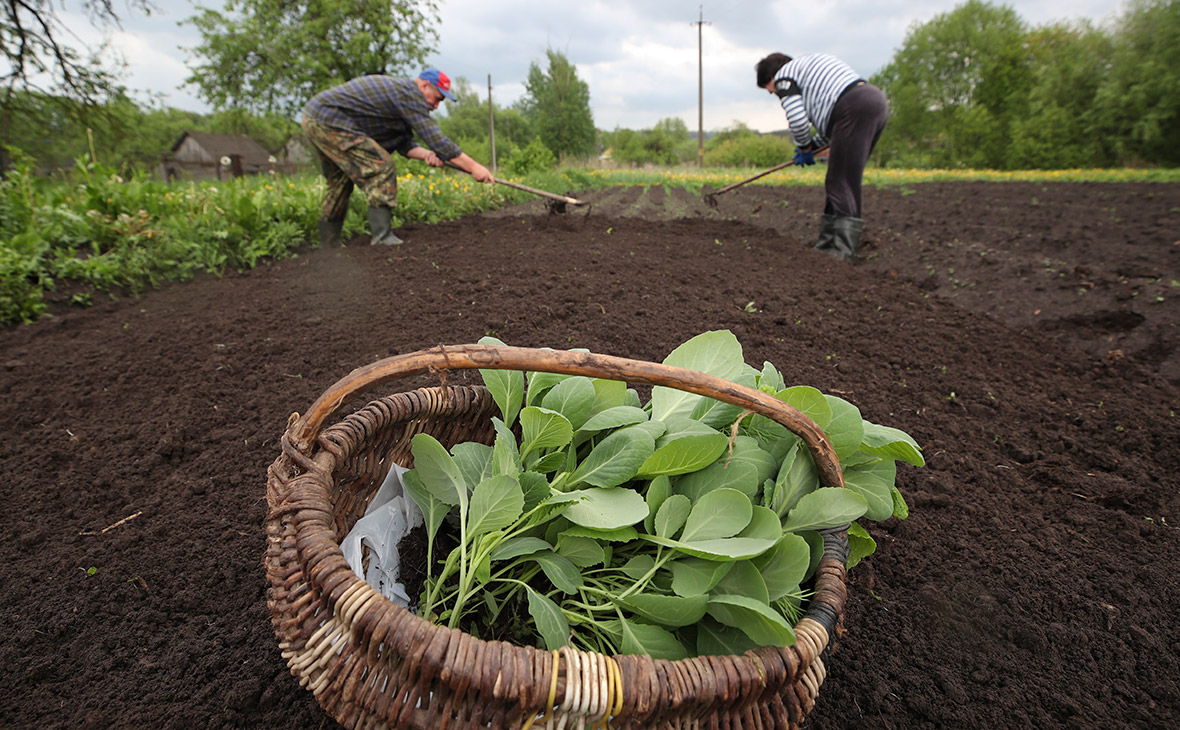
711	197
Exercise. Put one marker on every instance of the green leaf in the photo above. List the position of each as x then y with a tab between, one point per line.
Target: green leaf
637	638
657	491
891	443
542	428
732	548
785	567
808	401
433	510
825	507
437	470
672	515
535	487
563	574
615	459
764	525
770	380
860	544
715	639
901	510
608	394
696	576
876	492
549	463
474	461
797	476
581	551
506	386
714	413
550	621
607	508
721	513
744	580
667	610
572	398
764	625
540	383
615	418
714	353
638	566
683	453
514	547
621	534
846	429
496	502
739	475
505	453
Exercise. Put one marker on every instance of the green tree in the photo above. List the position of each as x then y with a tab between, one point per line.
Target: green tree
1062	126
557	104
1141	95
957	84
271	56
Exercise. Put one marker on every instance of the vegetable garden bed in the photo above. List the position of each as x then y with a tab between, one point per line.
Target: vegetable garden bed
1023	334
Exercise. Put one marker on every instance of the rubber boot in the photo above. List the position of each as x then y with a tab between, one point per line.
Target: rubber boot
847	237
330	232
827	233
381	227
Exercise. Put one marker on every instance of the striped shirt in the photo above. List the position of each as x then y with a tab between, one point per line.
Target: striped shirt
808	88
390	111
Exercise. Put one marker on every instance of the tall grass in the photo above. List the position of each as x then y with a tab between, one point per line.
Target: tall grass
101	232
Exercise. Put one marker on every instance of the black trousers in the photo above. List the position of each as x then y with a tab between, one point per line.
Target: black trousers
857	122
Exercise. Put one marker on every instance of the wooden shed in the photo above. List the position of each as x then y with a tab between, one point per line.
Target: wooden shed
198	155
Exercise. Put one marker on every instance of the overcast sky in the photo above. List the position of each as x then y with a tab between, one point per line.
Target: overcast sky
638	57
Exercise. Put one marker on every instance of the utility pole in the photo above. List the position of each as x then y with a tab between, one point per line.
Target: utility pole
700	91
491	126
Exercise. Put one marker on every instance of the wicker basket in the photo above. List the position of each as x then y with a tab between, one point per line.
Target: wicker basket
372	664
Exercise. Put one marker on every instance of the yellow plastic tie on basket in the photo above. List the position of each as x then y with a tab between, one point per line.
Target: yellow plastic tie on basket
614	693
552	695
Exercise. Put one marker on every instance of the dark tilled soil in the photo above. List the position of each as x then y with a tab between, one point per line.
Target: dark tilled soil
1025	334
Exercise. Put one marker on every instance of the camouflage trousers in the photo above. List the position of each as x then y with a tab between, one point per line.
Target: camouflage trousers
348	159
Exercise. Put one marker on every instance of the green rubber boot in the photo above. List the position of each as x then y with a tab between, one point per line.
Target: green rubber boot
846	237
381	227
827	233
330	232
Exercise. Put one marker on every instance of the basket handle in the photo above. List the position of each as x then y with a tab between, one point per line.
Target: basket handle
303	429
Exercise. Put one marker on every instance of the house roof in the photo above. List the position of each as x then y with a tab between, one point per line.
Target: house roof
224	145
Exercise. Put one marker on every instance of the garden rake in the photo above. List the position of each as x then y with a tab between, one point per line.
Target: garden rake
711	197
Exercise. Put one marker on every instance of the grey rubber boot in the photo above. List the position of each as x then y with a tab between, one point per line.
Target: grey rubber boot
330	232
827	234
847	237
381	227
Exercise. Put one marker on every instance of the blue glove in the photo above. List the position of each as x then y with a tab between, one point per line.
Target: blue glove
803	157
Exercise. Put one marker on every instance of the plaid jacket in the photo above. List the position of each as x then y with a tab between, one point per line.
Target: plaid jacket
390	111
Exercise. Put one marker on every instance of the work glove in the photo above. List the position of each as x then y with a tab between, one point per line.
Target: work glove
803	157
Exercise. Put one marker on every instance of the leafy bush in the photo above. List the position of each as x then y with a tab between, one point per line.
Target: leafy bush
532	158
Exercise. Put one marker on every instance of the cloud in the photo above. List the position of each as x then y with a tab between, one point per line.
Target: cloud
638	58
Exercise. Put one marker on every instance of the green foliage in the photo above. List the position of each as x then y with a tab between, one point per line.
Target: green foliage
531	159
309	46
752	150
675	529
557	105
1140	94
952	83
667	143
